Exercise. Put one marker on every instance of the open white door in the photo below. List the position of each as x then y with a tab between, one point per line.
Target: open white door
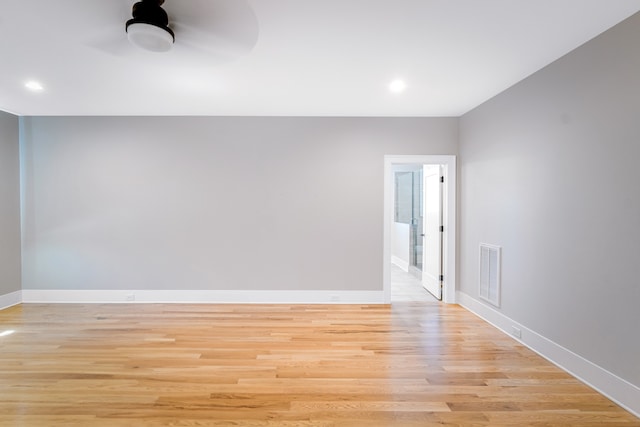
432	231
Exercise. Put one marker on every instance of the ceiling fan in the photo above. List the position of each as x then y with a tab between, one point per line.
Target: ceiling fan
218	30
149	27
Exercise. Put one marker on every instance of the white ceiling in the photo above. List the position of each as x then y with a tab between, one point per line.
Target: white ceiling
287	57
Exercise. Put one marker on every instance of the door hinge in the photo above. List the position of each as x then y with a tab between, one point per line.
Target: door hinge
441	278
442	228
442	179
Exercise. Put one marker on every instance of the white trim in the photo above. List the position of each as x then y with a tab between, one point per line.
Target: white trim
615	388
448	163
400	263
10	299
201	296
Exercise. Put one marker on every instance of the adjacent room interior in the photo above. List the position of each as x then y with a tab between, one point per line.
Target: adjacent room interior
320	213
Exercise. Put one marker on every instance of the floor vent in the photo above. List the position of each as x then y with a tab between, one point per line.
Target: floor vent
490	273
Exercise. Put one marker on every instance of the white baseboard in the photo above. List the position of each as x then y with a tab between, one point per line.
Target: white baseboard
404	265
615	388
8	300
202	296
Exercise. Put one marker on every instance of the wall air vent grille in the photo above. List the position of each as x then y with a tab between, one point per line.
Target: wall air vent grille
490	273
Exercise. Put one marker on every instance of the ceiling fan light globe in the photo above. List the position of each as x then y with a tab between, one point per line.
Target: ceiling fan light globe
149	37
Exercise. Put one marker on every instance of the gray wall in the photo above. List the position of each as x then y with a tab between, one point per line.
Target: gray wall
9	205
212	202
549	171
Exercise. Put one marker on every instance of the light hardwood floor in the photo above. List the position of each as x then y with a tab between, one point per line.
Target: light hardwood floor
409	364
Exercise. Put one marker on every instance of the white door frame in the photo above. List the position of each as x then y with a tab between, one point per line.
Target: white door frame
448	163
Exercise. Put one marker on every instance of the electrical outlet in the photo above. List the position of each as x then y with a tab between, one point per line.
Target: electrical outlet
516	332
130	297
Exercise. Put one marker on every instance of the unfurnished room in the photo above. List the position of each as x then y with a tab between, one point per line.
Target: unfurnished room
319	213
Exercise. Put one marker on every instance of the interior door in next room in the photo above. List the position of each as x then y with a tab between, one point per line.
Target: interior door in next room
432	234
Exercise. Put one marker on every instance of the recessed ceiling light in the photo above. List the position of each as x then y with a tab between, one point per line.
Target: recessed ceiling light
397	86
34	86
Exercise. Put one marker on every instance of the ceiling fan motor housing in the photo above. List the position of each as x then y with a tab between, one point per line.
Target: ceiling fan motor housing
159	36
150	12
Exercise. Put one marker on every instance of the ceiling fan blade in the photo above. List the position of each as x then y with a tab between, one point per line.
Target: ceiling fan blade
108	38
209	44
116	45
224	28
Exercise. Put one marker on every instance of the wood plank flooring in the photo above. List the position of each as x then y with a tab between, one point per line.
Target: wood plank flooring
410	364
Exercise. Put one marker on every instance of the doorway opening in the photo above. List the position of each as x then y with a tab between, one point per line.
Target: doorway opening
419	228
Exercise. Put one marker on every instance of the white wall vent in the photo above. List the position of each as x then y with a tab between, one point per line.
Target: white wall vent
490	273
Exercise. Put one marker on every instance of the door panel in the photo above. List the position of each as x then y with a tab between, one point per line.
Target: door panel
432	220
417	224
